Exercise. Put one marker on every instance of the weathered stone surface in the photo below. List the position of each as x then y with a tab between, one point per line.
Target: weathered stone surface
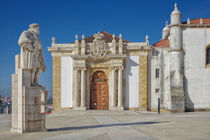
143	82
56	83
28	97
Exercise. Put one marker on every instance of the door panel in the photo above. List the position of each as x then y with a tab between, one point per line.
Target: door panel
99	97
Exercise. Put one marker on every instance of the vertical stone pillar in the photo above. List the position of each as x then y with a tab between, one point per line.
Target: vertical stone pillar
83	89
76	92
113	103
120	90
143	82
56	83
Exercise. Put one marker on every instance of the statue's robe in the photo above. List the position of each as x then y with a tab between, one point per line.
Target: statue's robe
31	51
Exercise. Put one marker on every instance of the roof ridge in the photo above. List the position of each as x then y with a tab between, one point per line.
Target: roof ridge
194	19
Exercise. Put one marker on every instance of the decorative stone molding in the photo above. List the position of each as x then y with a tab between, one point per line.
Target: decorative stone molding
116	67
78	68
99	48
176	50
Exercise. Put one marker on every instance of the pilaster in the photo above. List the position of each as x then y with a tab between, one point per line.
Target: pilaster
83	87
120	88
56	83
143	82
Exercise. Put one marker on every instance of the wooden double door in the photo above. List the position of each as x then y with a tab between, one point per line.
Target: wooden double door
99	96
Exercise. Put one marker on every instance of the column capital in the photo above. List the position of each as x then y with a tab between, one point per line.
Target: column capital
83	68
79	67
116	67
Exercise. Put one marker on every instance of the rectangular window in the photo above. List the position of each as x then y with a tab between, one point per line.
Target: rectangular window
157	90
208	55
157	73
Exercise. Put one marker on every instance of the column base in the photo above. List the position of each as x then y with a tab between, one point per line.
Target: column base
79	108
120	108
116	108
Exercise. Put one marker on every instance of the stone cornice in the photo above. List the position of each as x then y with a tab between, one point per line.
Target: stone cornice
139	48
191	25
176	50
60	49
110	56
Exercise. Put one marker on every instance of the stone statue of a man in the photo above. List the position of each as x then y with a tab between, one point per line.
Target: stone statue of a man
31	53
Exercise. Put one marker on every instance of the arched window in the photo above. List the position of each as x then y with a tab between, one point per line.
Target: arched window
208	56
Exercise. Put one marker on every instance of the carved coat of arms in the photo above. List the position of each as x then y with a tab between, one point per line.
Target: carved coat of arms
99	47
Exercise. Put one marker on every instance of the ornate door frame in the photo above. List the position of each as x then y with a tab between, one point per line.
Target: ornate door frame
99	91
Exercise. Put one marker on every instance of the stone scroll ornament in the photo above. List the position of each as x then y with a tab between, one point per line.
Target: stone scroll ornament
31	53
99	48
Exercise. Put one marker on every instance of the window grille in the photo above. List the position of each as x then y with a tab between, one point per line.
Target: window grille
157	73
157	90
207	55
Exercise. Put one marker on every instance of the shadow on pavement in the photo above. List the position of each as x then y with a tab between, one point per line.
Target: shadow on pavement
103	125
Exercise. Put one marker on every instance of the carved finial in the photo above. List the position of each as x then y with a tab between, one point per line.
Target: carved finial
83	37
113	36
53	40
76	37
201	21
175	6
188	21
83	40
147	39
166	23
113	40
120	36
120	40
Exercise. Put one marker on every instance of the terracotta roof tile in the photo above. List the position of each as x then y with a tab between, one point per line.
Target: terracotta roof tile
162	43
107	37
197	21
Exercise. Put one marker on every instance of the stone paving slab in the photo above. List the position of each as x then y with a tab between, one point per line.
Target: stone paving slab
114	125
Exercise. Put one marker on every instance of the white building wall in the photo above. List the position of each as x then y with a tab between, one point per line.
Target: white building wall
160	59
197	77
66	81
155	83
132	81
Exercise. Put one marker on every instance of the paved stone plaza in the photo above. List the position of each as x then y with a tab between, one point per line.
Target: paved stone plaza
114	125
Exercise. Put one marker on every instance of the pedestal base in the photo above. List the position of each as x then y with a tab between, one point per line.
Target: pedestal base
16	130
79	108
116	108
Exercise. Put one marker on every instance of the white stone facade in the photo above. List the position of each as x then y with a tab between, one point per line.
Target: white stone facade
186	53
137	73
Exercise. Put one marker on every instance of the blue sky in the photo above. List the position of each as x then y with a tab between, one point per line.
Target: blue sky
65	18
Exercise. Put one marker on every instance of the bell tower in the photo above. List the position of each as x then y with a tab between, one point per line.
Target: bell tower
176	62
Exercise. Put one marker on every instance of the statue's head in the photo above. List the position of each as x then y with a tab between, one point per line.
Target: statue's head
34	27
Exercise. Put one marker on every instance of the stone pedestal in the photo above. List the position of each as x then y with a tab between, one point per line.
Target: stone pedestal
177	100
28	103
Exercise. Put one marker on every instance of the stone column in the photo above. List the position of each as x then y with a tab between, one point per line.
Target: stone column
113	101
76	89
83	87
120	90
